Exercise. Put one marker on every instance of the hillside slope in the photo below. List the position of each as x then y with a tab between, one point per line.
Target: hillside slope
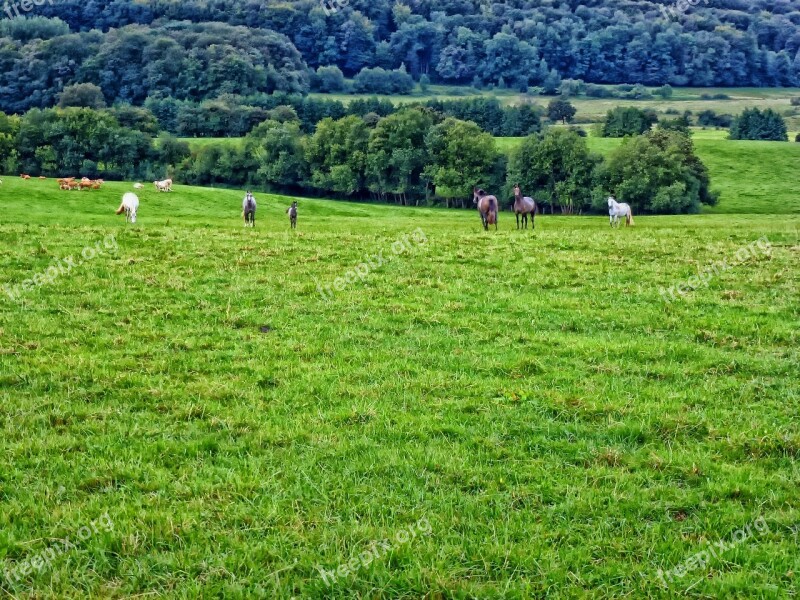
514	44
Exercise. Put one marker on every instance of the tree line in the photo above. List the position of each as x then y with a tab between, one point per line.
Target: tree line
232	115
196	50
419	156
415	155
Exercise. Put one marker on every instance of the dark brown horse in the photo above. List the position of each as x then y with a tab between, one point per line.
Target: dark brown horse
524	206
487	206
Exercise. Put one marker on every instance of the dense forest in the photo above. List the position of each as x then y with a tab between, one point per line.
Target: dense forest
196	50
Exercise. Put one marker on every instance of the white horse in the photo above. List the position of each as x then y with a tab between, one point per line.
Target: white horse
617	210
129	206
163	186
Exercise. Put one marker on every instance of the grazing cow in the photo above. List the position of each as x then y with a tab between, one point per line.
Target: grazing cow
129	206
25	177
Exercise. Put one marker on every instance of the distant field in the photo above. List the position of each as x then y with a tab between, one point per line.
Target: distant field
200	142
753	177
593	109
503	415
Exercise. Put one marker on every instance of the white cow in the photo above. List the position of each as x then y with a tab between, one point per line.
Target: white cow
138	186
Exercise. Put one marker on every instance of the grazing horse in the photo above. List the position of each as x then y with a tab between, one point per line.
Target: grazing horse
524	206
617	210
129	206
487	206
292	212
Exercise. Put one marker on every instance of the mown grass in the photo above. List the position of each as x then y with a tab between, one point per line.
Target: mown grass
563	429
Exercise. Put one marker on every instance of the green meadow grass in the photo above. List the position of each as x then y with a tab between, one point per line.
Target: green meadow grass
196	143
594	109
563	428
752	177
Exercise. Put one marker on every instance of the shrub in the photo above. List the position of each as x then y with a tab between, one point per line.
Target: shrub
665	91
659	172
380	81
623	121
754	124
328	79
598	91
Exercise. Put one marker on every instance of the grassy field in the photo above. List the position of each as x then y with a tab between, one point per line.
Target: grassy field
472	415
196	143
593	109
753	177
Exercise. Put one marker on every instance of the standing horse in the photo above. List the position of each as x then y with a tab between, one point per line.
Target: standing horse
524	206
292	212
617	210
487	206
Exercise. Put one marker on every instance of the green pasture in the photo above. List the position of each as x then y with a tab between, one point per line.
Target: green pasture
395	398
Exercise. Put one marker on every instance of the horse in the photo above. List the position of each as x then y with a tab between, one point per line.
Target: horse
249	207
129	206
292	212
617	210
487	206
163	186
524	206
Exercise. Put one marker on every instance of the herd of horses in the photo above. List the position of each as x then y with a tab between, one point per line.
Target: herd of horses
525	208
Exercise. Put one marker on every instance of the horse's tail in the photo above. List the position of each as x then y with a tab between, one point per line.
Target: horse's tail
629	218
492	205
